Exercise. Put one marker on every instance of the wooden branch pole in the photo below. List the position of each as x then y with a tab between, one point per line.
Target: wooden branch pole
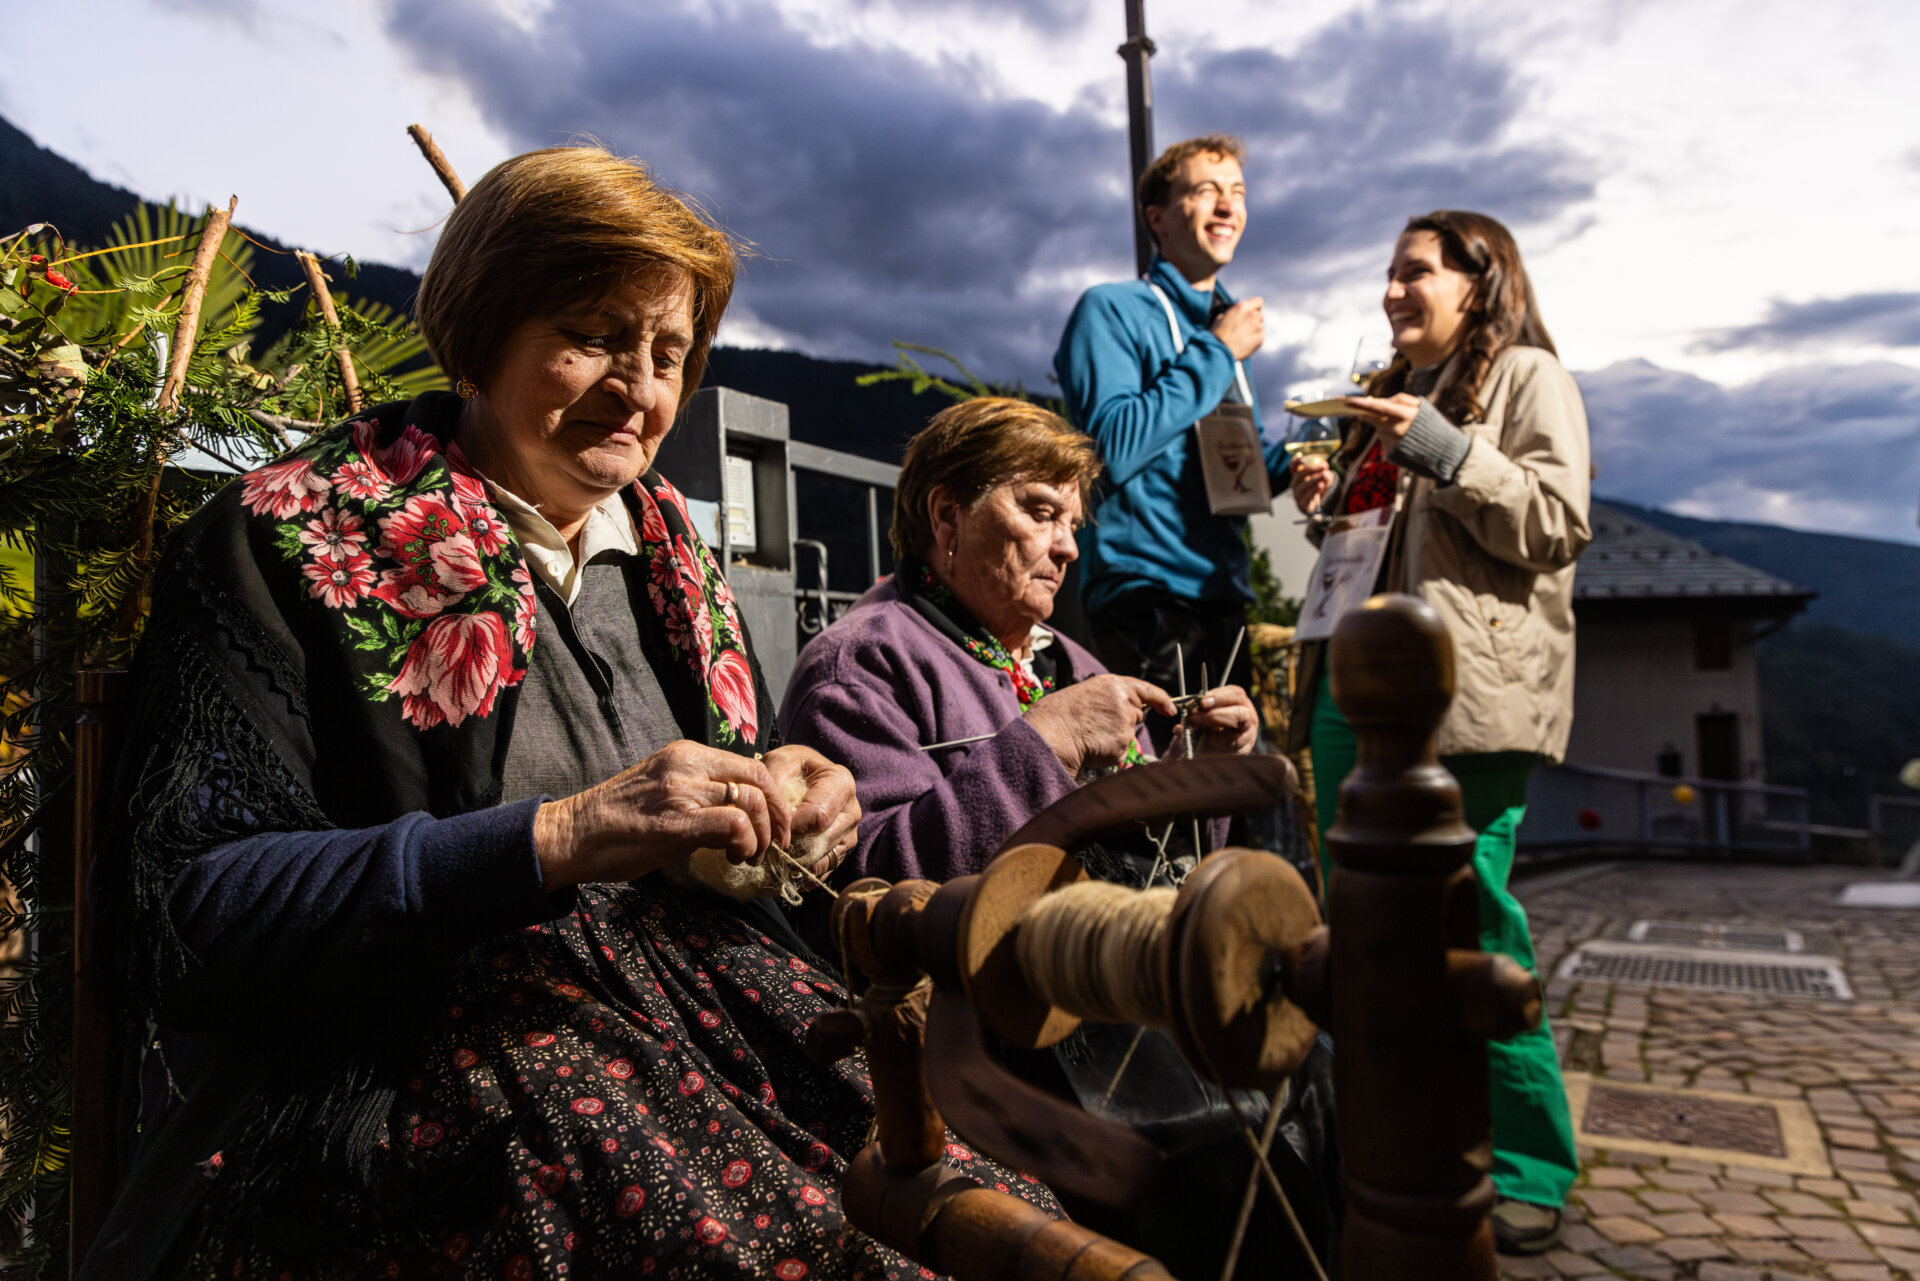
317	281
193	295
1414	1000
435	157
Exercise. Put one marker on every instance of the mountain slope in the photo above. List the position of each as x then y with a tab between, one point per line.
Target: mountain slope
38	186
1842	715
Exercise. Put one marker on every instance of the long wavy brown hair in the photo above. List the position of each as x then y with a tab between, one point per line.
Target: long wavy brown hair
1504	313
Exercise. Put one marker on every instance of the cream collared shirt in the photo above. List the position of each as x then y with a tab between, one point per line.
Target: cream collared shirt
1041	638
608	527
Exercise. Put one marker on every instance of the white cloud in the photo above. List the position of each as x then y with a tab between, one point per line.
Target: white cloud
1752	163
300	110
1827	447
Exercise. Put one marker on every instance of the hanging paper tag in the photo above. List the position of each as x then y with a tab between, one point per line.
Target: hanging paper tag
1348	567
1233	463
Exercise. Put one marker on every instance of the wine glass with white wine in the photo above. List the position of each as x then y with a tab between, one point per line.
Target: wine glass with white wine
1315	432
1371	356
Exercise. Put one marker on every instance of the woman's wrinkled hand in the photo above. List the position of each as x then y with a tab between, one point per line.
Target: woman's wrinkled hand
1390	416
1093	722
826	821
684	797
1225	723
1311	479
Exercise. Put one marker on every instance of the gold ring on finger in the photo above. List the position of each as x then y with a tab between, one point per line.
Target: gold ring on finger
733	793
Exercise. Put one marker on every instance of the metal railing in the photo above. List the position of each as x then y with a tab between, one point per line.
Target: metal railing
858	525
1895	823
1586	805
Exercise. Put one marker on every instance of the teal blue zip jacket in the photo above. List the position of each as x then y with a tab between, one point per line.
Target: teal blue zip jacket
1138	398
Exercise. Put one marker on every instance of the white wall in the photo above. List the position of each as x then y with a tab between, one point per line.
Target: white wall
1635	690
1286	543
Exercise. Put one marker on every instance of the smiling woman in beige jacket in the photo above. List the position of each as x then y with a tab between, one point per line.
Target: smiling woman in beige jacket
1477	435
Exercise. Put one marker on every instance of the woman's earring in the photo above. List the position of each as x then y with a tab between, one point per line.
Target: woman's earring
949	559
466	389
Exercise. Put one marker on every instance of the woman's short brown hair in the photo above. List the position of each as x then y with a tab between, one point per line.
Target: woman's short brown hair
564	227
979	444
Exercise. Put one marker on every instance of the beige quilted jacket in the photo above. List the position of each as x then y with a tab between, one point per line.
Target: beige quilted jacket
1494	553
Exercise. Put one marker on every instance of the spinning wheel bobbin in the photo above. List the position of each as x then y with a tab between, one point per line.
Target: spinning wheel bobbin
1224	953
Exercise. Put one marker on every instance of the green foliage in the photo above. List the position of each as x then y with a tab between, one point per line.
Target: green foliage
389	360
1269	606
93	477
910	371
137	278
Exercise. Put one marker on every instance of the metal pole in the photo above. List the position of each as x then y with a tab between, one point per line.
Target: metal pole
1136	51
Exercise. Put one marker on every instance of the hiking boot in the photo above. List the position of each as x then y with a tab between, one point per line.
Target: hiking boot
1521	1227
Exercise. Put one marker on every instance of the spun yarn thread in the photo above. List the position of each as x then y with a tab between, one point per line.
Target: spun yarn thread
1093	949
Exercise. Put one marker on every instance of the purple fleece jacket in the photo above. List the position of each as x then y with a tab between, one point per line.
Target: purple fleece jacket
874	687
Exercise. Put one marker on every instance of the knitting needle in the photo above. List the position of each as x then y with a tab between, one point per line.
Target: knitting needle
960	742
1183	702
1226	673
1198	853
1180	670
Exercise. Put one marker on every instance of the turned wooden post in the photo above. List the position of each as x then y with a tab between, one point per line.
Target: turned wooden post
1413	999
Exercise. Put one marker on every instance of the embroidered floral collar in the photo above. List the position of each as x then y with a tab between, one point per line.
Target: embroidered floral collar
933	601
398	543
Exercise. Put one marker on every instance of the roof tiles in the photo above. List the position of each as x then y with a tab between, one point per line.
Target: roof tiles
1631	560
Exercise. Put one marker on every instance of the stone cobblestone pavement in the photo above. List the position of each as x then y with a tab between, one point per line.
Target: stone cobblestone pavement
1856	1064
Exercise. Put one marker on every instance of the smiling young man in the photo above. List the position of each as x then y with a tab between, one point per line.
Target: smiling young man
1140	363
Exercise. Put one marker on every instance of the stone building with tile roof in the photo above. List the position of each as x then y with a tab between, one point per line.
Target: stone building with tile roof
1665	680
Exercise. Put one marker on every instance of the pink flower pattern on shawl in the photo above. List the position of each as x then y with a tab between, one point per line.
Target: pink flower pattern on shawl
454	669
437	562
284	489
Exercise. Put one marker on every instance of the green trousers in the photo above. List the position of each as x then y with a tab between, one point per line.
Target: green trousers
1533	1151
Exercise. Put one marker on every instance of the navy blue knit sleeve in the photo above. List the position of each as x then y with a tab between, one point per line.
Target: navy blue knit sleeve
321	913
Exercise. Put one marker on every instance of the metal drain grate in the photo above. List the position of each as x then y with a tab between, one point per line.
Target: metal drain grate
1686	1120
1749	938
1713	969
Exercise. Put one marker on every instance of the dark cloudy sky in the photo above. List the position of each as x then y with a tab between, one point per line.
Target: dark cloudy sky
1716	198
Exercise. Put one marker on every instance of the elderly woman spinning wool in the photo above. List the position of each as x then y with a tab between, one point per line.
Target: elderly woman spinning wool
434	718
953	647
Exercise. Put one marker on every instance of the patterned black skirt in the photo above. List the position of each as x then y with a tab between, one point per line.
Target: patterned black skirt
622	1092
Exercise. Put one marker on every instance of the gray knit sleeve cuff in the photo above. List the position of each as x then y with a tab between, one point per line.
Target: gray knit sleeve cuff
1432	447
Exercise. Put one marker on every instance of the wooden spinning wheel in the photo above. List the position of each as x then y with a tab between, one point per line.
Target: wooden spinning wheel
1237	969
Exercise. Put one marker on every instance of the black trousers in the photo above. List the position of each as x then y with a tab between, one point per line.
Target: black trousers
1141	633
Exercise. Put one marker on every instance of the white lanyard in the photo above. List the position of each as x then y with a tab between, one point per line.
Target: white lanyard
1180	344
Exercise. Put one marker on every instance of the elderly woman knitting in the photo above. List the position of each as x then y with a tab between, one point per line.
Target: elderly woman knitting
954	646
446	724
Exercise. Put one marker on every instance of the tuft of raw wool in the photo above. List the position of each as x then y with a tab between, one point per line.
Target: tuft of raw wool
774	874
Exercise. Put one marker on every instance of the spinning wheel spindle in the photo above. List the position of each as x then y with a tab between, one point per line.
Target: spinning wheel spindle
1097	950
